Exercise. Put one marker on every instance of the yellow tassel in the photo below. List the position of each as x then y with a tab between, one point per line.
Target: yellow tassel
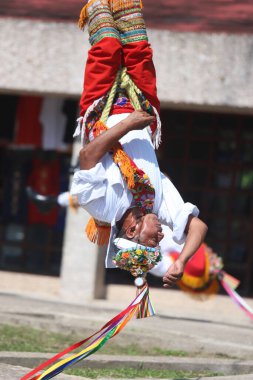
126	168
99	234
119	5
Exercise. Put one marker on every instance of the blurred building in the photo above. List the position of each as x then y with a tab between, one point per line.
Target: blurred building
203	52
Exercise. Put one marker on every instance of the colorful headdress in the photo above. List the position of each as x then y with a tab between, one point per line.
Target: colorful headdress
204	273
200	276
135	258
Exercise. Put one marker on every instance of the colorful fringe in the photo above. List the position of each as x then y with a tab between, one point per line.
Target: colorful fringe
98	232
126	165
229	284
108	331
211	288
145	308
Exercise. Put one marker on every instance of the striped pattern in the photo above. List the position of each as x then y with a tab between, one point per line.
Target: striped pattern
130	23
102	33
101	23
141	307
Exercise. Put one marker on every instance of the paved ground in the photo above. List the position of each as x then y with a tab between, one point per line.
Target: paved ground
211	331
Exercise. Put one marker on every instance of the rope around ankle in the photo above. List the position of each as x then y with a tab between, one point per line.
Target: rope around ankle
122	80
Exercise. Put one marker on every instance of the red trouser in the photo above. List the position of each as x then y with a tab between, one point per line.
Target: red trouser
105	59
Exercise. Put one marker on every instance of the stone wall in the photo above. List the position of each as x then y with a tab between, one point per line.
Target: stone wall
212	71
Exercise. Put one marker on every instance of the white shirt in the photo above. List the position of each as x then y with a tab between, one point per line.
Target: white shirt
102	192
167	245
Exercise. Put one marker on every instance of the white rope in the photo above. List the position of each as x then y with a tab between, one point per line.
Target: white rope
157	136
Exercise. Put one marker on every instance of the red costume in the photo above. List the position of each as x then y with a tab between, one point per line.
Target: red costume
105	59
118	37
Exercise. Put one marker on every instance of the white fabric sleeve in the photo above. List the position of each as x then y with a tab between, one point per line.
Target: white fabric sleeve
174	212
63	199
89	185
161	268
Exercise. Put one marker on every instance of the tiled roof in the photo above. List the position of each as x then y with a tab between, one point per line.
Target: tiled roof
231	16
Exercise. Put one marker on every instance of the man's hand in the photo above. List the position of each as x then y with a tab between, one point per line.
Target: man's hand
138	120
173	274
92	153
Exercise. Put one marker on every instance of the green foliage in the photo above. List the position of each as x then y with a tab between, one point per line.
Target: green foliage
27	339
132	373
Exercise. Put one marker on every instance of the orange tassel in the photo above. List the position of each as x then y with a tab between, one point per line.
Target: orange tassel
83	17
73	205
201	294
126	168
84	13
119	156
99	234
119	5
99	128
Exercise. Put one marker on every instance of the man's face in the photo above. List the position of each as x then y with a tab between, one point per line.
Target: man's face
149	230
144	229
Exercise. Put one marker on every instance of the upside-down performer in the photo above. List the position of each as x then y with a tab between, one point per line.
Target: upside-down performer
119	182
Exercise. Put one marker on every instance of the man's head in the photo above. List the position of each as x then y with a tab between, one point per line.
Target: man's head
140	228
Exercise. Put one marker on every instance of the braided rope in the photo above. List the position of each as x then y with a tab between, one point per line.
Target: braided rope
123	79
132	90
108	106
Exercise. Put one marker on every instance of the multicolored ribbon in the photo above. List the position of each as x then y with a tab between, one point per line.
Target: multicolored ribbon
145	307
141	307
229	284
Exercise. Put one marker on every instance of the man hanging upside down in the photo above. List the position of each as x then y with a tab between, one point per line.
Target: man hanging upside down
119	183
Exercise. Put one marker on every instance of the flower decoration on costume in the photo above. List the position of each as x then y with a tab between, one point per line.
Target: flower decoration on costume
137	260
